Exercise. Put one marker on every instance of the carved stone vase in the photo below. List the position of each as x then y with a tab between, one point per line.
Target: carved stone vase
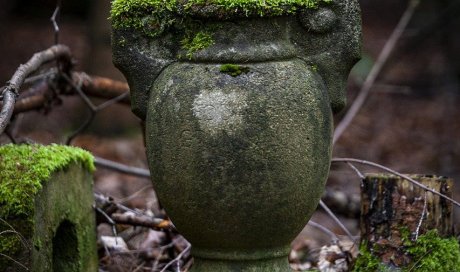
238	104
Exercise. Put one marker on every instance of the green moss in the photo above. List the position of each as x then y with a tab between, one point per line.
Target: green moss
314	67
367	262
25	167
433	253
195	42
233	69
152	17
428	253
10	243
23	170
122	42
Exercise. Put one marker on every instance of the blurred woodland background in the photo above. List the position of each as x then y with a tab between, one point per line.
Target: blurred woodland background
410	121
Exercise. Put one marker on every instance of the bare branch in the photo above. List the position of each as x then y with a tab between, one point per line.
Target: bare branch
336	220
360	175
178	258
389	170
343	203
53	20
11	90
9	97
376	69
135	171
103	87
18	263
36	97
142	221
417	230
324	229
82	127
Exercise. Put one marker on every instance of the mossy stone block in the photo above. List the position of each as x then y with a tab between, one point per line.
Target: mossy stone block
46	216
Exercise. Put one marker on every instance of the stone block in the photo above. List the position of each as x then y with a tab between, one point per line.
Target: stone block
47	221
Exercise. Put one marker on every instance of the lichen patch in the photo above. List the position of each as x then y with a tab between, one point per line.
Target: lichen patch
219	111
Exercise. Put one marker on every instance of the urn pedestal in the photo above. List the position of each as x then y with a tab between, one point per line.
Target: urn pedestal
238	105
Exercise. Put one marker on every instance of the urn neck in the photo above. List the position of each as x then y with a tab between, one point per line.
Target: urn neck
243	40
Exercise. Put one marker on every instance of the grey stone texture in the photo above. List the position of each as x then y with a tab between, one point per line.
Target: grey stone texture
65	223
239	162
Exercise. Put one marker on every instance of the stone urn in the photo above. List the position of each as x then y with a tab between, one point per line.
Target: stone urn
237	98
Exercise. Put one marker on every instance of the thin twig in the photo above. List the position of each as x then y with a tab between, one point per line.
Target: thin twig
22	238
359	173
135	194
82	127
142	221
135	171
53	20
109	220
376	69
389	170
20	264
112	101
178	258
421	217
14	84
104	201
93	109
336	220
77	87
333	236
419	260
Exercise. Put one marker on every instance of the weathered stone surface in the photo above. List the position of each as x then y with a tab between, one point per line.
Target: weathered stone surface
262	265
238	111
239	162
328	38
56	218
333	44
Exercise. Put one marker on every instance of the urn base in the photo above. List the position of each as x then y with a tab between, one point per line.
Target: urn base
277	264
242	260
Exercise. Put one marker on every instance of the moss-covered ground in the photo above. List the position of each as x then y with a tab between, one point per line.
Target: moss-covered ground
428	253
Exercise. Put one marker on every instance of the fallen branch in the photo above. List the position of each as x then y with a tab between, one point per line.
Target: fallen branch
389	170
9	98
37	96
11	90
141	221
135	171
102	87
178	258
108	208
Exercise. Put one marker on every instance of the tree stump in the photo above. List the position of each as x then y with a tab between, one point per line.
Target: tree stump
47	221
395	213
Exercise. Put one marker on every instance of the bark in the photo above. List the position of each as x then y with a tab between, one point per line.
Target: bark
394	210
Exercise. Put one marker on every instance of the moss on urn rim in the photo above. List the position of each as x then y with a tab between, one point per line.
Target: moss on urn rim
153	16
